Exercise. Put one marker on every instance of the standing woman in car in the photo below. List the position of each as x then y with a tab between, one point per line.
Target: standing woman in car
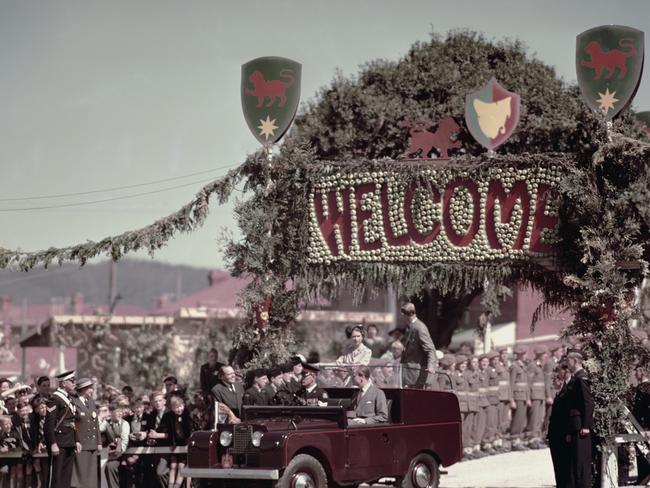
356	351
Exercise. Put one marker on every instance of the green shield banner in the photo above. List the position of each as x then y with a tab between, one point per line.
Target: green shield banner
609	63
270	92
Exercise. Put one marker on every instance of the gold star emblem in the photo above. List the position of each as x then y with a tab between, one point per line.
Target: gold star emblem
267	127
607	101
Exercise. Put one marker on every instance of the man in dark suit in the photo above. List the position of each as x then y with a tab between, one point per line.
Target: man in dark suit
87	435
60	435
419	357
229	391
369	402
557	425
580	405
209	374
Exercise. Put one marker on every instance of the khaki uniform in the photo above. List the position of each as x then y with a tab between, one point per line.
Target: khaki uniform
492	433
483	404
504	403
520	390
472	403
538	392
461	389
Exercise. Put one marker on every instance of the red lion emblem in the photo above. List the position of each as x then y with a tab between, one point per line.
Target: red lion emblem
610	60
423	141
271	89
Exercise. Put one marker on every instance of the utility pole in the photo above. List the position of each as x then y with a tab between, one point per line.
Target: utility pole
112	295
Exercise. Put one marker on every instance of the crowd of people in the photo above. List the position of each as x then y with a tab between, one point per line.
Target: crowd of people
509	400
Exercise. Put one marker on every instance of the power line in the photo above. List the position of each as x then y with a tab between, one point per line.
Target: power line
104	190
124	197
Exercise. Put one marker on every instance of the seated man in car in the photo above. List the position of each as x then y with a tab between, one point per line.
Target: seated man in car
369	404
310	393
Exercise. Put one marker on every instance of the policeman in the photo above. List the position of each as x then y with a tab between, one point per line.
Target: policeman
310	393
538	392
520	399
87	435
60	436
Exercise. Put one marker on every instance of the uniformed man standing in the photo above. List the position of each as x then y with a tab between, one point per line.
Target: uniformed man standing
520	400
471	375
538	391
87	435
503	370
461	389
492	430
60	435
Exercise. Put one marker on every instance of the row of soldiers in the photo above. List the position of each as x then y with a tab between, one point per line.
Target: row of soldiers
505	404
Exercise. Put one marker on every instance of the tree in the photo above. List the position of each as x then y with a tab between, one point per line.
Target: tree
357	117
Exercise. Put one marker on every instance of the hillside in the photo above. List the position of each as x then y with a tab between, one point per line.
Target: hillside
139	282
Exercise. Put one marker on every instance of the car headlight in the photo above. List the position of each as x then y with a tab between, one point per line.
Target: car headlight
256	438
225	438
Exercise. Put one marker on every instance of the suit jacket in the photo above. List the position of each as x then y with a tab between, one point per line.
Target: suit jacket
152	421
370	405
580	403
87	424
641	404
222	393
60	421
419	355
559	418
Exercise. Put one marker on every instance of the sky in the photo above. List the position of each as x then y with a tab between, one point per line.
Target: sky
98	95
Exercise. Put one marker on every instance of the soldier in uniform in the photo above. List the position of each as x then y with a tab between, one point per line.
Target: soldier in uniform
461	389
255	395
503	372
310	393
492	427
445	380
551	391
60	436
471	375
520	400
538	394
482	439
85	465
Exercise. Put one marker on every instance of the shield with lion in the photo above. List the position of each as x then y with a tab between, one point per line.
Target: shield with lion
609	63
270	92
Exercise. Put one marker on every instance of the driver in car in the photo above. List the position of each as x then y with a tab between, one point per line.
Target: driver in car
369	404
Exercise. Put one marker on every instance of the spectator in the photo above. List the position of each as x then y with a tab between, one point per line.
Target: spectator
171	383
374	341
229	391
37	421
116	435
9	441
43	389
369	404
209	373
394	353
127	391
137	437
176	428
356	352
154	468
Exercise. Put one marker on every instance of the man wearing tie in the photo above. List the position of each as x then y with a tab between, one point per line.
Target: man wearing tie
87	435
419	356
229	391
369	402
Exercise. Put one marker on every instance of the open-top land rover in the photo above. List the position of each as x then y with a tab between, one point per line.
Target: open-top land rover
313	446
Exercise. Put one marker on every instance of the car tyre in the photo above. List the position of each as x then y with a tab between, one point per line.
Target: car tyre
422	473
304	471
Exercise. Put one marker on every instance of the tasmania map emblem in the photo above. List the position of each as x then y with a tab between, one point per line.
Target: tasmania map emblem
270	92
609	63
492	114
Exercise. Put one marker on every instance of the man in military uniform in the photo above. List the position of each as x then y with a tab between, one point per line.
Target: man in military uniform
461	389
310	393
60	436
256	395
538	394
471	375
520	400
445	379
492	433
482	439
87	435
503	372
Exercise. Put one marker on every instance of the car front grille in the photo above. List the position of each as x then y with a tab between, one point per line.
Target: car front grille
242	439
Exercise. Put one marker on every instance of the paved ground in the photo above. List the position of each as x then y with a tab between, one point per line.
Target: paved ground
528	469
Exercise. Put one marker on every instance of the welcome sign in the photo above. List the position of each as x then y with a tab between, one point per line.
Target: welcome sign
436	216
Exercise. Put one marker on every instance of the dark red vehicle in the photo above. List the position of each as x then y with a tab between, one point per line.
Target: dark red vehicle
300	447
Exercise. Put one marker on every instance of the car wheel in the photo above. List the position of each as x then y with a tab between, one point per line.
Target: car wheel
422	473
304	471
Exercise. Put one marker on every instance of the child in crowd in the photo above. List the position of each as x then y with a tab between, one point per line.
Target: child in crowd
9	441
176	426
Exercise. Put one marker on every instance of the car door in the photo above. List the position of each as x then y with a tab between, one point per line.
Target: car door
369	452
